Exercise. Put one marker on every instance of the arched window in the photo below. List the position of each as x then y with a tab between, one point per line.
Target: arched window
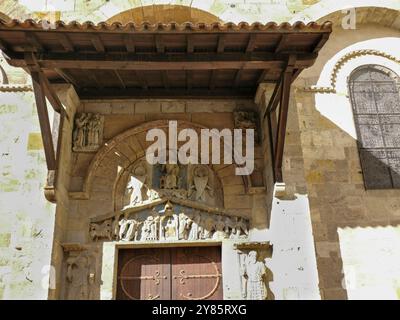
375	98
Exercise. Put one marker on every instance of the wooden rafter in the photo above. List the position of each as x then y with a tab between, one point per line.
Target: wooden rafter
238	77
97	43
221	43
282	43
251	43
159	44
129	44
213	78
121	81
189	44
189	80
141	79
65	42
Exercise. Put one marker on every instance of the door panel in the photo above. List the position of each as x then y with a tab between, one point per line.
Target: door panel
170	273
196	274
144	274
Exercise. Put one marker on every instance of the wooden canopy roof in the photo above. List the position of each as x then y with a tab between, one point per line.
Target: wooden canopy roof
162	60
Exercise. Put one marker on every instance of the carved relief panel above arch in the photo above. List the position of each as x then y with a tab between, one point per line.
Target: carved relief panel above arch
143	183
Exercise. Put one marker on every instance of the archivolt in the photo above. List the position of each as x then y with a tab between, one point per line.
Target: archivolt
120	152
342	61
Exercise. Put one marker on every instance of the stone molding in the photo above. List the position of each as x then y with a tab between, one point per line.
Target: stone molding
342	61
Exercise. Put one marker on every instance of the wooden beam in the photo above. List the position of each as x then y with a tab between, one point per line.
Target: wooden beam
123	85
189	44
213	77
43	115
221	43
33	66
159	44
129	44
141	79
92	76
275	98
205	61
97	43
67	77
3	46
50	94
189	80
65	42
238	77
321	41
282	118
271	120
33	41
164	75
251	43
118	93
262	76
282	43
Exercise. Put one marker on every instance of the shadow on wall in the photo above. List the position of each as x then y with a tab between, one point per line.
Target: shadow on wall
351	192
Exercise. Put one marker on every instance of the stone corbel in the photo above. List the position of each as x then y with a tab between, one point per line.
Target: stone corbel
254	246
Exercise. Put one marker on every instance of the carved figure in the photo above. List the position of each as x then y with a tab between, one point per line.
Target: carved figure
149	229
133	230
195	229
123	227
200	183
220	229
136	185
101	231
185	224
208	228
253	275
87	134
171	178
80	277
169	227
80	131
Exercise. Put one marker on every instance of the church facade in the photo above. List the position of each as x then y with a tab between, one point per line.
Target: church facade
85	215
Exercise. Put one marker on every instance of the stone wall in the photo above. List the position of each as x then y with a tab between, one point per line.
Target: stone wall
349	222
26	217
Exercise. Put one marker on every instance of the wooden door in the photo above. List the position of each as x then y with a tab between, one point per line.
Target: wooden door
144	274
196	274
170	273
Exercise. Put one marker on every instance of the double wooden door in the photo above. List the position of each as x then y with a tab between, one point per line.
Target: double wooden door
183	273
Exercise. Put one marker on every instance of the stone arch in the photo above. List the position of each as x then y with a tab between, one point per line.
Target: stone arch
325	9
332	84
164	14
119	153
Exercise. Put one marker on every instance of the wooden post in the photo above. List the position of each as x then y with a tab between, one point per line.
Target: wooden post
38	89
282	120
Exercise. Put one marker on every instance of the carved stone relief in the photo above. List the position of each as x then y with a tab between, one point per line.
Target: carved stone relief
144	183
246	120
80	275
169	222
254	273
200	183
88	132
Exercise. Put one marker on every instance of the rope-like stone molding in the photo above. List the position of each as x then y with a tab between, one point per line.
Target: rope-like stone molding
15	88
342	61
